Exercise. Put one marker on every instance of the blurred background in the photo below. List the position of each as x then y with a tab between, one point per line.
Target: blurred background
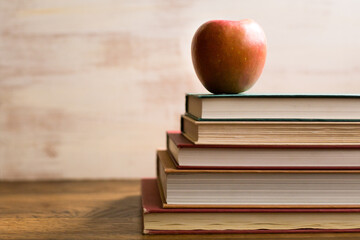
88	88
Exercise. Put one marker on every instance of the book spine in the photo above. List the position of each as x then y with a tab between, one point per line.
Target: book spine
186	103
167	142
182	124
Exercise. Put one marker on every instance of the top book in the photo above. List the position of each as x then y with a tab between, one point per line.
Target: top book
312	107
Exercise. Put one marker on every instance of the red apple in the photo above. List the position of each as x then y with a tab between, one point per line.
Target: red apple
229	56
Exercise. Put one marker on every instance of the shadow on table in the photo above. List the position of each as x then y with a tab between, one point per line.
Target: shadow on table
122	219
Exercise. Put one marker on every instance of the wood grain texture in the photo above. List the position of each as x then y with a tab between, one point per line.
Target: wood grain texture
88	88
91	210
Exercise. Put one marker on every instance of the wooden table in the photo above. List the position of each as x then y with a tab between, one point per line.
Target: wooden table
90	210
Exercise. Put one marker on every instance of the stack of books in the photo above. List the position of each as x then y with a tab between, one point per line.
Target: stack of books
247	163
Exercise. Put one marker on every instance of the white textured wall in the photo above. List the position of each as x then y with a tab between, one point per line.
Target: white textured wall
88	88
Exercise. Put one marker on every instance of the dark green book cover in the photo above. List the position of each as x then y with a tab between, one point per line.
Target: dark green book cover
272	96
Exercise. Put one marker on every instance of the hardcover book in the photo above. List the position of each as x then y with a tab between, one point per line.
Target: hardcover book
274	106
225	188
189	155
271	132
157	220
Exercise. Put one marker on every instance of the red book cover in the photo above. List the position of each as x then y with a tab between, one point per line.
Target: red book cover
151	203
182	142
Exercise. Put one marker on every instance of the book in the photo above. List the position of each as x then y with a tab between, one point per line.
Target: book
158	220
189	155
271	132
273	106
211	188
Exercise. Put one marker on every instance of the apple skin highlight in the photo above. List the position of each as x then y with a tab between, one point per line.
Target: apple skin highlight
229	56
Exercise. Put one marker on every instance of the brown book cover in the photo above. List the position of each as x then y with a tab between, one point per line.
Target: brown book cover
152	204
271	132
181	142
